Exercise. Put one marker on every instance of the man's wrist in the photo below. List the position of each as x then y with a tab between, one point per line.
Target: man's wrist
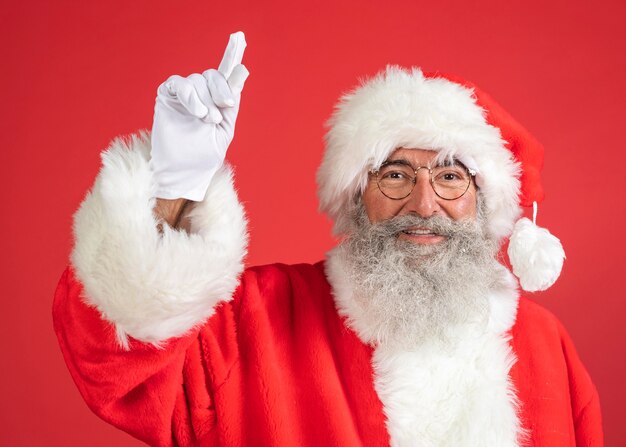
171	211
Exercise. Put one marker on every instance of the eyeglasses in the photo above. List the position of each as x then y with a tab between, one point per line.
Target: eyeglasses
397	178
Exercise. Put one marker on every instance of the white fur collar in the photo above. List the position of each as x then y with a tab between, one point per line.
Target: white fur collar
457	394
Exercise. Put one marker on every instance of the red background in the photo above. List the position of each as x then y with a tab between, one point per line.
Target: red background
76	74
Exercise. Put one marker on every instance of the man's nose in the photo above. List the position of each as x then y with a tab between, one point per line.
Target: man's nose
422	200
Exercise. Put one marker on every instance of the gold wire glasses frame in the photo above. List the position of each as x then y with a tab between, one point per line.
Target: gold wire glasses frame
396	179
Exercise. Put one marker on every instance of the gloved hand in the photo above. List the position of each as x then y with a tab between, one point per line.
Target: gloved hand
194	122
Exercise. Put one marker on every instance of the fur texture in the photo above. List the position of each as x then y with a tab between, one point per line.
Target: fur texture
408	292
154	286
536	256
452	392
402	108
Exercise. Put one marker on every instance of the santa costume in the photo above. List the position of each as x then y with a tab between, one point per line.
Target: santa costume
168	338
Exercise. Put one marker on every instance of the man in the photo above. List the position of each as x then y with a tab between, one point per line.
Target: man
409	334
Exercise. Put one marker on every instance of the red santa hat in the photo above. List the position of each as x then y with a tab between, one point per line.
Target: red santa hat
407	108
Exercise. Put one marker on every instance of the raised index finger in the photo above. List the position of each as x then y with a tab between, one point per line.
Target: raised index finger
233	54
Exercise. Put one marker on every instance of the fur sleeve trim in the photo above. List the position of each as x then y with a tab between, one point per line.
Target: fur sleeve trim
155	286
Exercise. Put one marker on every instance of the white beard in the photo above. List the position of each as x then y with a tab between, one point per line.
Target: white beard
438	318
410	293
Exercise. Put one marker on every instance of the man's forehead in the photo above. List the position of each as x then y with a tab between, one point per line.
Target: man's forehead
420	157
413	152
431	158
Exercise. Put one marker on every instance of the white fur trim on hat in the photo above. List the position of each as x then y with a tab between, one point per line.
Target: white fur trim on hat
154	286
402	108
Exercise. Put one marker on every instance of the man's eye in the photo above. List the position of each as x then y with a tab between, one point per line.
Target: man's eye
450	175
394	175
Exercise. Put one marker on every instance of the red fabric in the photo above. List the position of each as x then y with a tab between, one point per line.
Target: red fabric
277	367
560	404
526	149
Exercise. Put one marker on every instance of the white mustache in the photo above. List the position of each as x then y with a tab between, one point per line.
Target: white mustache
439	225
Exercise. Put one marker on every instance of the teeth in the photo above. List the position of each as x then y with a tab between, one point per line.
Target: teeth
420	232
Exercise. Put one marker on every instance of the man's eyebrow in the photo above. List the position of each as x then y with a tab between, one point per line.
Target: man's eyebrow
447	162
399	161
451	162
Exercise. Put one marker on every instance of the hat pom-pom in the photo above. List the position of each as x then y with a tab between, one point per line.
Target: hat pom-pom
536	255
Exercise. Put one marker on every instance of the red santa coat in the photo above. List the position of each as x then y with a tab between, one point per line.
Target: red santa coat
166	339
277	366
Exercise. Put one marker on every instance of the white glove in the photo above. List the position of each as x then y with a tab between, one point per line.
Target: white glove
194	122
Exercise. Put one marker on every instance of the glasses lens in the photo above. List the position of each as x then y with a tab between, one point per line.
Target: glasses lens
450	182
396	180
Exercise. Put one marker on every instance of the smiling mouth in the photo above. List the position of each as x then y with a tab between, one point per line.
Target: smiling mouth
422	236
420	232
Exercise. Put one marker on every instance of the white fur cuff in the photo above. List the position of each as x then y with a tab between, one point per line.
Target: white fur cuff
155	286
